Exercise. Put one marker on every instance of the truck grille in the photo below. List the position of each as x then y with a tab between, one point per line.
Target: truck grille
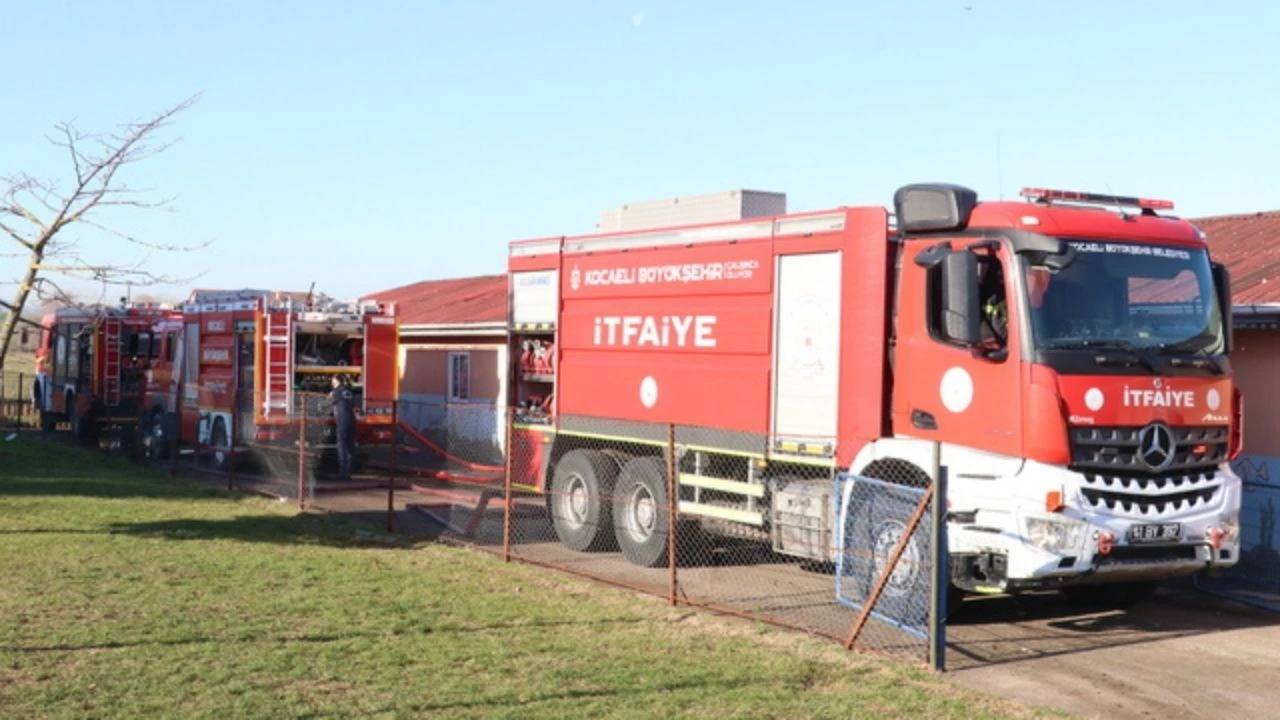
1118	481
1115	450
1150	497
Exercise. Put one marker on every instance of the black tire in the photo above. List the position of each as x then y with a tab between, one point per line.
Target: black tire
580	490
155	440
640	512
1111	596
83	426
219	439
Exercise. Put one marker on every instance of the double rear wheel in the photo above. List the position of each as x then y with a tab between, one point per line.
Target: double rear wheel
603	501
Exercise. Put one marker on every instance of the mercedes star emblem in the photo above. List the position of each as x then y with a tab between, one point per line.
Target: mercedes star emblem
1155	446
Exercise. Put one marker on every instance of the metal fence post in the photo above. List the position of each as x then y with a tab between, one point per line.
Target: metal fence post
302	451
391	481
509	462
232	435
671	509
941	567
173	435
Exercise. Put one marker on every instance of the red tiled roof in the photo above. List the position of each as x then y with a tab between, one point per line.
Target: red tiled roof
456	301
1249	245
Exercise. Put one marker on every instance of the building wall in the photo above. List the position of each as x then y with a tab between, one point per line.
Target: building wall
1255	361
453	391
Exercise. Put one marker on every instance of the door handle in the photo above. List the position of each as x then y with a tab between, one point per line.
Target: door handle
924	420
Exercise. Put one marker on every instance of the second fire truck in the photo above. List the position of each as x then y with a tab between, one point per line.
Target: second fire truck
237	368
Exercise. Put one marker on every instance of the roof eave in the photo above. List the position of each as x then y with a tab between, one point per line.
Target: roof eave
497	327
1255	316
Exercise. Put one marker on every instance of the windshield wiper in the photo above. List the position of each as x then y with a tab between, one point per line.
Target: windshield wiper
1136	352
1196	347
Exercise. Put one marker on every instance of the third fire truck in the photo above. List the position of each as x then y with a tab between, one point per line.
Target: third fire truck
237	368
1065	359
91	367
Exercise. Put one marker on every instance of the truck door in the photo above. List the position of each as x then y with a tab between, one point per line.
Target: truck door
381	372
244	369
943	389
806	381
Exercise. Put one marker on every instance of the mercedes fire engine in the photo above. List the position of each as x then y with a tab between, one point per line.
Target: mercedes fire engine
91	367
1064	358
238	367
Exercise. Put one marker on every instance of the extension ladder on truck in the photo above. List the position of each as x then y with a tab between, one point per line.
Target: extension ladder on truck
279	381
111	362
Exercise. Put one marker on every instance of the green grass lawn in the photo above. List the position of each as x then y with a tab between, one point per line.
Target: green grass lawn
127	594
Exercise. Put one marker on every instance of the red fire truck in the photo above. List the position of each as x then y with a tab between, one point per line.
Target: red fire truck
91	367
265	357
1064	358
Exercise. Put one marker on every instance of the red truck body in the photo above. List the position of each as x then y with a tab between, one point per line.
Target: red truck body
249	363
92	366
849	339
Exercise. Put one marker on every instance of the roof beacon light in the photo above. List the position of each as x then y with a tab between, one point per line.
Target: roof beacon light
1045	195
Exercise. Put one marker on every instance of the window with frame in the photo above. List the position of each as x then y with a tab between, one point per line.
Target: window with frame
459	376
992	304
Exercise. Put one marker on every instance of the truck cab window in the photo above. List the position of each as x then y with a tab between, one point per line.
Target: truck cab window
993	321
994	325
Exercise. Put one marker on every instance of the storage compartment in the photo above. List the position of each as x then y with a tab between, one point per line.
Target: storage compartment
801	519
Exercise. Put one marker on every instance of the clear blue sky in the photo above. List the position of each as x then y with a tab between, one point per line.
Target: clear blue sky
368	147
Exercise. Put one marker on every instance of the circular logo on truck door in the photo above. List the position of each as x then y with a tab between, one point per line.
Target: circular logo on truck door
956	390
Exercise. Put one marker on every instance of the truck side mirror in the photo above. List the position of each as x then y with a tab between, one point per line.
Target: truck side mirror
1222	284
960	311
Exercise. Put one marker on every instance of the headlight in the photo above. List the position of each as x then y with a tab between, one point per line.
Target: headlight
1056	534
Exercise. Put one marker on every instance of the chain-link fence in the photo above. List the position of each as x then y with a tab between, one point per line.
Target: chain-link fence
698	516
1255	579
287	449
17	411
717	519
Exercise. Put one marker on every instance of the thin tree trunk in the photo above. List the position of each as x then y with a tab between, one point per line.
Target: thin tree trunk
19	302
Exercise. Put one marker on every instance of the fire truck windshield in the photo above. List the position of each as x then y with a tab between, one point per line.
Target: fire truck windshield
1126	296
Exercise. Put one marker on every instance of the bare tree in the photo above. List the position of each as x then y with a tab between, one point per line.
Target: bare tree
37	213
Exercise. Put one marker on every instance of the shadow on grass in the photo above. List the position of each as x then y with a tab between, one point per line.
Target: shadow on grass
108	485
499	626
298	530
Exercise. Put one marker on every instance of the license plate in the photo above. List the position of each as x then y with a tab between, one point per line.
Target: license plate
1155	532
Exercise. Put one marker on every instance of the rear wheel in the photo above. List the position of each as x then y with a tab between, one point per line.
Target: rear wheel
580	490
640	512
155	439
221	446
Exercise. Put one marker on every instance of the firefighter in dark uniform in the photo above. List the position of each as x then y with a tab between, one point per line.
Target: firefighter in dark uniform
342	400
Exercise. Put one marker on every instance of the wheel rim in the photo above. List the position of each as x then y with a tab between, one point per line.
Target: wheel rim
641	514
904	573
155	439
575	500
